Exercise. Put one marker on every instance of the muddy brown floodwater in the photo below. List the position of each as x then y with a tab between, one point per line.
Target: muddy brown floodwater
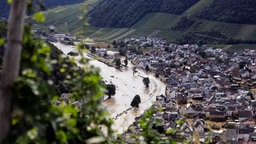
127	86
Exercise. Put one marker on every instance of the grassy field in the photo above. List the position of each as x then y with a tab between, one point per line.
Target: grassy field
67	18
196	8
159	21
242	46
236	31
235	47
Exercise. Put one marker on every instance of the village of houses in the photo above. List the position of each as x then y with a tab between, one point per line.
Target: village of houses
212	90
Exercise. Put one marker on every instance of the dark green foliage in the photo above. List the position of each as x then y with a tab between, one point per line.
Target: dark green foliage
111	90
147	68
242	65
229	126
134	70
151	136
73	54
250	94
151	126
4	7
146	82
93	49
114	44
184	24
118	62
211	37
3	33
61	70
39	115
124	13
122	51
232	11
125	62
136	101
202	54
3	28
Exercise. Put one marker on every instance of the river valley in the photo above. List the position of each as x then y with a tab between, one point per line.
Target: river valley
127	86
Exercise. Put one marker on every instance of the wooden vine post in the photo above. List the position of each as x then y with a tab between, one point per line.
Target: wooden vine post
11	63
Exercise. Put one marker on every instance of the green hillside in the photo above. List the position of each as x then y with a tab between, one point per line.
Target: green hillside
157	21
125	13
44	5
199	6
68	18
231	11
160	24
185	27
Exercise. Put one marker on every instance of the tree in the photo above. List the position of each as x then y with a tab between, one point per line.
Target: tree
11	63
125	62
250	94
93	49
118	62
147	68
146	82
30	109
73	53
122	51
136	101
134	70
242	64
111	90
202	54
105	54
114	44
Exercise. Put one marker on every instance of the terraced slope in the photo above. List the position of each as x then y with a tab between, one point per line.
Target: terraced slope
125	13
185	27
199	6
231	11
4	7
160	25
68	18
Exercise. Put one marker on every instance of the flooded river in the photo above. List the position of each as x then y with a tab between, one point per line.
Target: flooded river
127	86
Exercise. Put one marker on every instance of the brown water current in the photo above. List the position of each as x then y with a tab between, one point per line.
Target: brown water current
127	86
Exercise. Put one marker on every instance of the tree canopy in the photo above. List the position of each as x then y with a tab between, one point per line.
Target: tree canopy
135	101
146	82
111	90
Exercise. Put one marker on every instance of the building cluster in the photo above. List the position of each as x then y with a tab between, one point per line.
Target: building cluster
146	41
211	90
210	93
66	39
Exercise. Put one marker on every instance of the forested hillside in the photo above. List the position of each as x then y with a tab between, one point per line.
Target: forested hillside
4	7
232	11
178	21
125	13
